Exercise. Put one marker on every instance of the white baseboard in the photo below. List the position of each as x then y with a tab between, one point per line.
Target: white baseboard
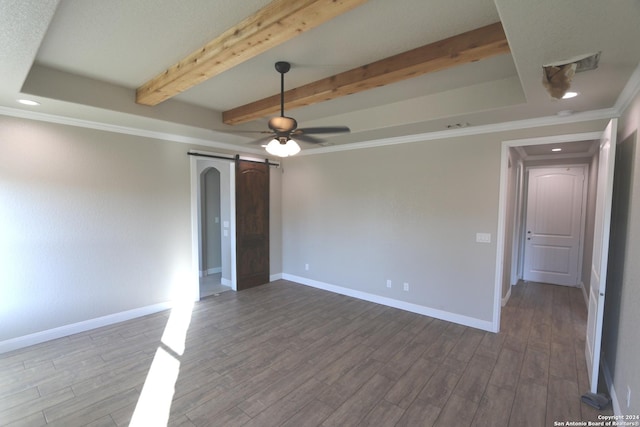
505	299
226	282
617	410
274	277
215	270
210	271
390	302
66	330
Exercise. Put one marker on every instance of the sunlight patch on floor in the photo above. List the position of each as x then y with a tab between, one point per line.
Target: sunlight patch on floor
175	333
154	405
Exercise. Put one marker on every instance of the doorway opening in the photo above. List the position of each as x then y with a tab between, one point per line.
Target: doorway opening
520	157
212	279
213	226
510	232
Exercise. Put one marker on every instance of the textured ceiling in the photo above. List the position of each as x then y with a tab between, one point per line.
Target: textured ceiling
22	27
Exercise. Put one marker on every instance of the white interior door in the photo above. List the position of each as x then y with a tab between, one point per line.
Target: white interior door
598	282
554	224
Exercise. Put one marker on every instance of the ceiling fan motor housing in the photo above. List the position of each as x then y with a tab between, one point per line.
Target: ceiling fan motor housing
282	124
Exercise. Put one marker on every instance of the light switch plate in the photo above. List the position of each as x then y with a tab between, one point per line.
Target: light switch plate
483	237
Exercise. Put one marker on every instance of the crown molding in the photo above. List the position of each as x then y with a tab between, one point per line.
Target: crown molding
553	139
127	130
407	139
628	94
607	113
630	91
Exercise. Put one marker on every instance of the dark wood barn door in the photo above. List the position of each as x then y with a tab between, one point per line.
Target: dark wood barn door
252	224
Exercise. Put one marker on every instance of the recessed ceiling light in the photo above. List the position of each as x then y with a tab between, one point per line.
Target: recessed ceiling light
556	149
28	102
569	95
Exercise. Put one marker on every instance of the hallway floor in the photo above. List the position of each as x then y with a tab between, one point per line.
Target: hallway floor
211	285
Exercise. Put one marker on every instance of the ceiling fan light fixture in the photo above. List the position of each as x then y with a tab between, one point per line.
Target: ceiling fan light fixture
283	148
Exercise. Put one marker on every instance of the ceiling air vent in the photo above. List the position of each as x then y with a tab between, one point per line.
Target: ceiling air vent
582	63
588	63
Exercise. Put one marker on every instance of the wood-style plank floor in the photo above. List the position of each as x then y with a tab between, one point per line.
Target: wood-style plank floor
288	355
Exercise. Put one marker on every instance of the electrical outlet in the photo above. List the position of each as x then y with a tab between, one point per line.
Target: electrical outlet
388	283
483	237
628	396
306	267
406	286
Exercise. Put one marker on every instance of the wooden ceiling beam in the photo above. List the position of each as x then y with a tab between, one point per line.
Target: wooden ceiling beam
274	24
468	47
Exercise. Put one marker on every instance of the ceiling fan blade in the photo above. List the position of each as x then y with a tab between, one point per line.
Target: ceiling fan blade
325	129
243	131
307	138
263	141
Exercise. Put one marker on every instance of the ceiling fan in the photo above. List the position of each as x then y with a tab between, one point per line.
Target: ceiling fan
284	129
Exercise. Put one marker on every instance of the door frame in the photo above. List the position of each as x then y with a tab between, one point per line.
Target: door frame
502	204
517	243
600	258
522	237
198	166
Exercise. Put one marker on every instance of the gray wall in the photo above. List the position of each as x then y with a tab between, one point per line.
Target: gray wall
92	224
275	221
621	343
408	213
